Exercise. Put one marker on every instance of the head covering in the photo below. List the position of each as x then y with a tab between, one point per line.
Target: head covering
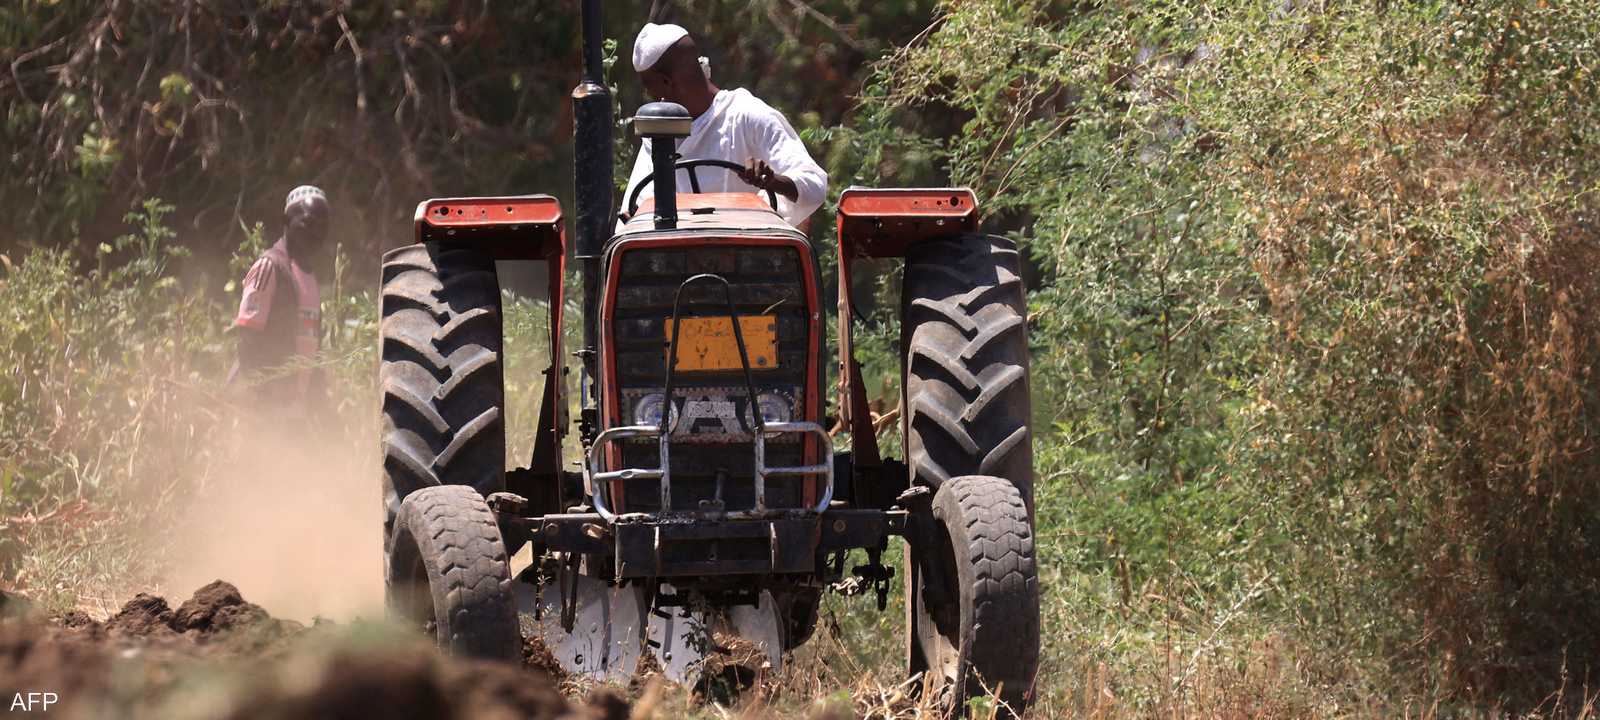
304	192
654	40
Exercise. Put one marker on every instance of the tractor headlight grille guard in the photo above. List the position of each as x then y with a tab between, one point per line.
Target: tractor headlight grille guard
596	480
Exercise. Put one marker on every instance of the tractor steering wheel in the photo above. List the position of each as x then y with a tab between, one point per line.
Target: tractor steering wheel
694	180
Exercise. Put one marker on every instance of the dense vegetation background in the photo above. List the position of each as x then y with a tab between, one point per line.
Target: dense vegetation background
223	106
1310	307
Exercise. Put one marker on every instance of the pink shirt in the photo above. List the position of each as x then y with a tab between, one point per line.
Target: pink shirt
261	286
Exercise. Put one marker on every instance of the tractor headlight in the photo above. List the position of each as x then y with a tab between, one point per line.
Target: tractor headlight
774	408
649	409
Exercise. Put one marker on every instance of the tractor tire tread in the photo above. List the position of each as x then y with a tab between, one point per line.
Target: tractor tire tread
467	570
441	373
967	362
999	581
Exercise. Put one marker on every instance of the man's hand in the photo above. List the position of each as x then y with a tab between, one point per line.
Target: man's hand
758	173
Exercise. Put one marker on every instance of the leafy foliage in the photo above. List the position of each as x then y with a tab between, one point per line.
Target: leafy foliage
222	107
1309	323
101	371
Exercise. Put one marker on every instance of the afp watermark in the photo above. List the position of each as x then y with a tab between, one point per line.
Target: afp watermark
33	701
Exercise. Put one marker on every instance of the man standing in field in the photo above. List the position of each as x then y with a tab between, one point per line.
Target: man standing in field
280	314
730	125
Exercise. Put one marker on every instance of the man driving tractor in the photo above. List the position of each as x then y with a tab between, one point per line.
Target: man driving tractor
731	125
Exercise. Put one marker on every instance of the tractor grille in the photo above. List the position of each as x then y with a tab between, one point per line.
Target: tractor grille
766	281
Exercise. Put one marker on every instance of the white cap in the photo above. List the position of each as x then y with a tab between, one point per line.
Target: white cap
654	40
302	193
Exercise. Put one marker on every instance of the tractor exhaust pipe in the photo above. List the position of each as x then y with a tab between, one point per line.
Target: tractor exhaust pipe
592	171
591	109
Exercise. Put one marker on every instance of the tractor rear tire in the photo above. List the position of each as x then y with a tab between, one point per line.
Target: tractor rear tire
441	376
448	572
966	357
977	632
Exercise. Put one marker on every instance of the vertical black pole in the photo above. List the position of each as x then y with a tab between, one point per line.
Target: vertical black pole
663	156
592	137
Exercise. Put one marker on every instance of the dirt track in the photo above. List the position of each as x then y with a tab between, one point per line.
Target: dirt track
219	656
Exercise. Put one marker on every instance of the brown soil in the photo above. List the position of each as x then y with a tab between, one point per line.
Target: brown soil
218	655
12	605
537	656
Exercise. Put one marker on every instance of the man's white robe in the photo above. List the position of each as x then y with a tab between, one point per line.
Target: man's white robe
737	127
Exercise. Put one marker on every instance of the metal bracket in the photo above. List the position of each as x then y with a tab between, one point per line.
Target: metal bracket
567	576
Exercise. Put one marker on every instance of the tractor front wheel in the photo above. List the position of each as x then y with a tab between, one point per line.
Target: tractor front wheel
974	595
448	573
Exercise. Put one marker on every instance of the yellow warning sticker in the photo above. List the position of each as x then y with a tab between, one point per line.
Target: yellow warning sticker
707	343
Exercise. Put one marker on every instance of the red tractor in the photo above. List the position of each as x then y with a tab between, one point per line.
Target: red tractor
708	485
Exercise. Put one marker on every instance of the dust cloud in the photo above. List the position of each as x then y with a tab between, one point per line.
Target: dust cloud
291	515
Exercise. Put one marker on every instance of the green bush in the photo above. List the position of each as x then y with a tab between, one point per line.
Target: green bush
1312	349
102	372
